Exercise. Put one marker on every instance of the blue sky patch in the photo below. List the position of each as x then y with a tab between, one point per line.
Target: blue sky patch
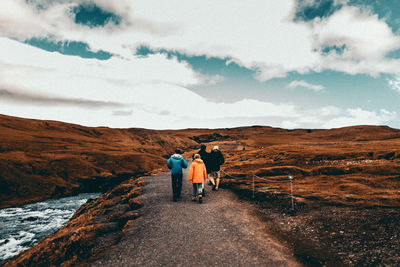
203	64
69	48
389	10
340	88
93	16
337	49
394	54
320	9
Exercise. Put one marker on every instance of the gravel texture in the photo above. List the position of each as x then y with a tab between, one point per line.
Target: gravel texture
223	231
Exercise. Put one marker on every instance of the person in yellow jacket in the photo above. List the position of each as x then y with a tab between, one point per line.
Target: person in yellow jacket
198	176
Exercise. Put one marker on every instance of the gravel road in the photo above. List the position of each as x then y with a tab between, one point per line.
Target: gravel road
223	231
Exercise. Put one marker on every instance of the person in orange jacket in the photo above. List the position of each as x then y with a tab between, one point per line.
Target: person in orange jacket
197	175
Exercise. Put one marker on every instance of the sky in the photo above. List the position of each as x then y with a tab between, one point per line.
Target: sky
178	64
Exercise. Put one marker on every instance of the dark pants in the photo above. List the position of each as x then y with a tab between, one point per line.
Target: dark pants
176	184
197	189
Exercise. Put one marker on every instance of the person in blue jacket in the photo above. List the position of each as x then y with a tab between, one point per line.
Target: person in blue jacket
175	163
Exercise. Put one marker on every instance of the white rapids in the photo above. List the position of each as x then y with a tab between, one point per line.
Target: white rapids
23	227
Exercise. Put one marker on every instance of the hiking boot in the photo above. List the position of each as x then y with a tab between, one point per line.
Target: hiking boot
216	189
200	199
194	199
213	188
174	199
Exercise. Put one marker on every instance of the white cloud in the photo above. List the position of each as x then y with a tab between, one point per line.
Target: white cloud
43	71
333	117
301	83
394	84
151	90
364	35
148	92
359	116
288	124
366	40
329	111
22	20
211	79
312	118
259	35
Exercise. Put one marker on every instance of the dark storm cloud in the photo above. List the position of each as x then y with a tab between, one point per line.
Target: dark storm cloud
29	98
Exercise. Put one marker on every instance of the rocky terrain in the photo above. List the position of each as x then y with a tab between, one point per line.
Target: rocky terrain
346	191
346	181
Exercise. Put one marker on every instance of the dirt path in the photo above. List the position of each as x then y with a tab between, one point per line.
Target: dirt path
220	232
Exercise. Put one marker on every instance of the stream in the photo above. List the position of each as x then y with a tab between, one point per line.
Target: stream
24	226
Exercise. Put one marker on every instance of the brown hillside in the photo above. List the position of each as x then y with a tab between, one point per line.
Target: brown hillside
48	159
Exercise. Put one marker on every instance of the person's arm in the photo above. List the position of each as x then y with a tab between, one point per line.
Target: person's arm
191	173
169	163
184	164
204	173
222	159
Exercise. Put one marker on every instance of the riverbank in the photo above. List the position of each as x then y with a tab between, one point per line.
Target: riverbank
24	226
95	227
